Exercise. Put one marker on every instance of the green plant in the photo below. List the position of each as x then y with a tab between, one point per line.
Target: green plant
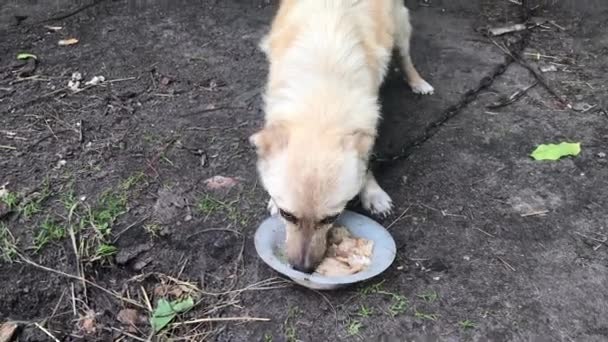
364	311
50	230
8	244
354	327
110	206
466	324
290	328
104	251
132	181
371	289
398	305
30	209
208	205
33	205
428	296
11	199
153	229
425	316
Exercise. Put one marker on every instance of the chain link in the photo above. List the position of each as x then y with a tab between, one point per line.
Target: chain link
469	96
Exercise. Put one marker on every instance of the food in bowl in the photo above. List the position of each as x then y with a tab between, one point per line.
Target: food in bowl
345	254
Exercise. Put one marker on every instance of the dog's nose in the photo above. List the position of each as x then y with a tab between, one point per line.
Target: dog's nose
303	268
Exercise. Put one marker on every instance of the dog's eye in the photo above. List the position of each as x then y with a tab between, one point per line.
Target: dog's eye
330	219
288	216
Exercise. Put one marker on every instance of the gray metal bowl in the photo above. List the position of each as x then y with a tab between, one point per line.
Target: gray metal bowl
270	242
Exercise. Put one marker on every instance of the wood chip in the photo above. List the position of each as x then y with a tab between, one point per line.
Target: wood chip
69	41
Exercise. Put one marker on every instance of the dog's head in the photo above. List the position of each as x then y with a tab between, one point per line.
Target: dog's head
310	175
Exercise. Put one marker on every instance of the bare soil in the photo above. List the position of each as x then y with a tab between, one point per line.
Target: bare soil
492	245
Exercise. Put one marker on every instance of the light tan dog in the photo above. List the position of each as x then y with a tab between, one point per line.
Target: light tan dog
327	61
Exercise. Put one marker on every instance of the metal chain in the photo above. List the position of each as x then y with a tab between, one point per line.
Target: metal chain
469	96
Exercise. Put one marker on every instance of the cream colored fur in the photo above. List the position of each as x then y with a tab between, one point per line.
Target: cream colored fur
327	61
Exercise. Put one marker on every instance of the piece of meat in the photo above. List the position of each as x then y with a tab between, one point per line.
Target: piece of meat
345	254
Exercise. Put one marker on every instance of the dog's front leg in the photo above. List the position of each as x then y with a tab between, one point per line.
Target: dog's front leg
374	199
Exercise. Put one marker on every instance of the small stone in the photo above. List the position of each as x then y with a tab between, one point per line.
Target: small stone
77	76
601	155
188	218
436	278
74	85
548	68
466	257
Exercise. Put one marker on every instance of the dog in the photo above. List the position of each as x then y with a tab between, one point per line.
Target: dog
327	60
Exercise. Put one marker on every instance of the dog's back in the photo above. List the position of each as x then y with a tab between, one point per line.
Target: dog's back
327	45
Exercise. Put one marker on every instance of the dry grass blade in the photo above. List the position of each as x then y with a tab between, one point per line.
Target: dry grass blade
223	319
48	333
399	218
90	283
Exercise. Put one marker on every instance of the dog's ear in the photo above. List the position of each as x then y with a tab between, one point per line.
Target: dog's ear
269	140
361	141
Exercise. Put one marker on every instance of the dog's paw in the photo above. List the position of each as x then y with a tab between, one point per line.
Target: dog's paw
377	202
272	207
422	87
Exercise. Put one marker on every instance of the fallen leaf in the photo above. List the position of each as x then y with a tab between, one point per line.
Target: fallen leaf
175	291
128	317
66	42
87	322
556	151
25	55
7	330
166	311
220	182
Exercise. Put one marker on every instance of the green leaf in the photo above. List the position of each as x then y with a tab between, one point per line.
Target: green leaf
166	311
163	314
25	55
182	305
554	152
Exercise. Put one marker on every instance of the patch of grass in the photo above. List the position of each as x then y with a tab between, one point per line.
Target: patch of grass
11	199
354	327
209	205
68	200
466	324
428	296
34	204
290	327
425	316
104	251
267	337
8	244
153	229
364	311
398	305
132	181
110	206
50	230
30	209
371	289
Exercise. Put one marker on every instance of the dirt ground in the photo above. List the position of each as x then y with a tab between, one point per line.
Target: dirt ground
109	183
